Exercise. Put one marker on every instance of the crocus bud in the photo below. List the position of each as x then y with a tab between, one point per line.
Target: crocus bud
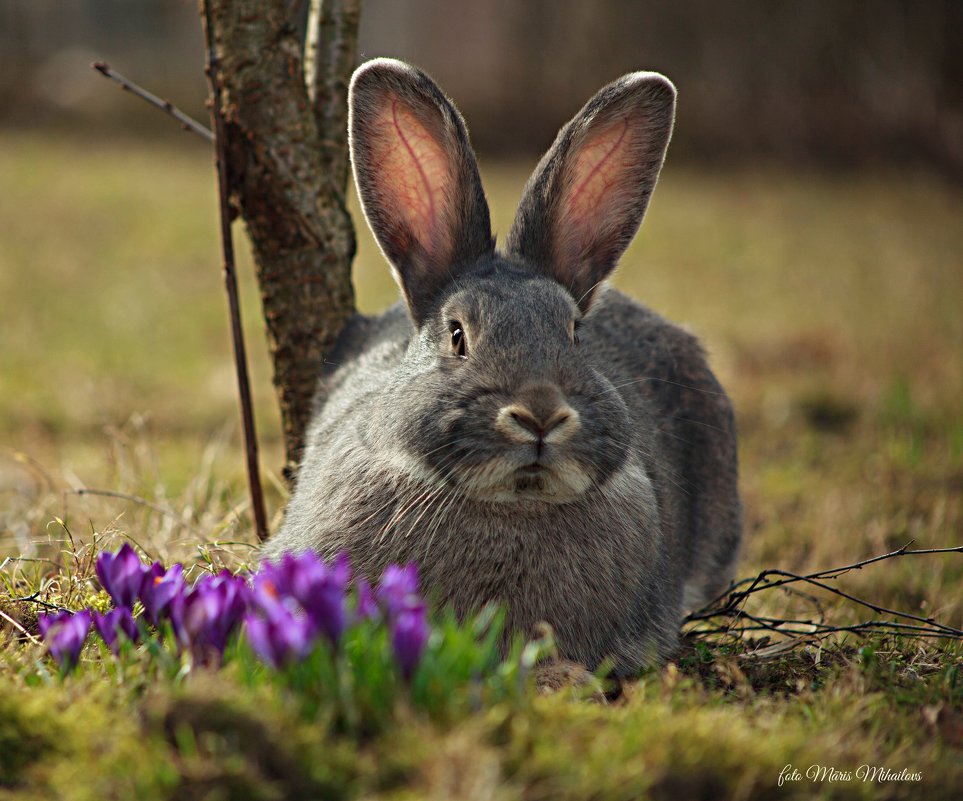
159	589
65	633
121	574
398	588
409	636
113	623
278	636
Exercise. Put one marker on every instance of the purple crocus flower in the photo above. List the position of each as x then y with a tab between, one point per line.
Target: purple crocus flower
407	615
317	588
277	635
409	636
366	607
342	567
198	616
272	582
236	594
121	575
309	564
115	622
320	589
159	589
65	633
210	613
48	620
398	588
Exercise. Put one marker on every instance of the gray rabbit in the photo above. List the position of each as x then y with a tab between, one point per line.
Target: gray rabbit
523	432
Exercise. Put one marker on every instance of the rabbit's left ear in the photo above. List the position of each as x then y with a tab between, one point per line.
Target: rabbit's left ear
417	178
586	199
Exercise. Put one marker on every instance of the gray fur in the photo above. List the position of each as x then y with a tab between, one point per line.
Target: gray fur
591	484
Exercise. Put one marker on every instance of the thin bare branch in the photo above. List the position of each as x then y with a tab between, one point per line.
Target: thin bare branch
187	123
734	594
729	607
19	627
34	598
136	499
230	283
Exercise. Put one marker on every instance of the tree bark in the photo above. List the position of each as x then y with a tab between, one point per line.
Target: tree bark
284	183
330	53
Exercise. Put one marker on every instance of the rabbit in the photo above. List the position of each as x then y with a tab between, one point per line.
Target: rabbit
525	433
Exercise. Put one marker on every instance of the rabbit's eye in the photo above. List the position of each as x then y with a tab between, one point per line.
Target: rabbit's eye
575	327
459	344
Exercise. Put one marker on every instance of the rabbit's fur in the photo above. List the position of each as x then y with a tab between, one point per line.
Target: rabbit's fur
522	432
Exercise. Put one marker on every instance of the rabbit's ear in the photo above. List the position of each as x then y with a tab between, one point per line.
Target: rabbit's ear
586	199
417	178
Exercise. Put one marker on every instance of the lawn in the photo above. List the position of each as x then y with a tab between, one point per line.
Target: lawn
831	308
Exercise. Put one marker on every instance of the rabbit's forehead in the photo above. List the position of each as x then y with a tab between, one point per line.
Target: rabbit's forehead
491	303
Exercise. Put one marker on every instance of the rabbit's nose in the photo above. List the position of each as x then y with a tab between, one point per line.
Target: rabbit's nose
540	428
519	422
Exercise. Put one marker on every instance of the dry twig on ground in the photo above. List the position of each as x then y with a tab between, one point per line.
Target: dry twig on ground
729	613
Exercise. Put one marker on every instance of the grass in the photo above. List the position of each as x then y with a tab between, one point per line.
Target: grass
830	307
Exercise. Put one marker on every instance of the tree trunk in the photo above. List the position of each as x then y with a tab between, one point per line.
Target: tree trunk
289	185
330	53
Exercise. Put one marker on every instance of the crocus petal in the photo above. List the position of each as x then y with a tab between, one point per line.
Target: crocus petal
126	624
115	622
65	636
106	629
210	613
398	588
259	638
47	619
341	567
121	574
325	608
301	574
277	637
159	590
366	607
305	583
409	636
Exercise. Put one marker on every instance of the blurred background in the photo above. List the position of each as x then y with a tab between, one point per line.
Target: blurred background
837	82
808	226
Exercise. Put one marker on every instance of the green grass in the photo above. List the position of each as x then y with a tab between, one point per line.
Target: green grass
831	309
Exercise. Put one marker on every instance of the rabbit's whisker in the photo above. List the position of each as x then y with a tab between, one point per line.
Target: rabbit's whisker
438	514
399	512
421	498
616	387
672	476
428	506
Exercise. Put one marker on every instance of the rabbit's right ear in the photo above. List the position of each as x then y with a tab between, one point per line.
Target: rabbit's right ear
586	199
417	179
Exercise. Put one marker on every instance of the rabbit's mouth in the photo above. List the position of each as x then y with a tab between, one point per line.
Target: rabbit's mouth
560	481
532	480
533	469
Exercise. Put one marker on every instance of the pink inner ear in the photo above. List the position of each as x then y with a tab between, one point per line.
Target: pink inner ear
413	172
596	188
